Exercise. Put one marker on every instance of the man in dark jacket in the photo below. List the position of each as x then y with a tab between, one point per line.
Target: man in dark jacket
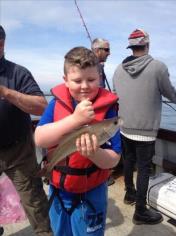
140	82
20	96
101	48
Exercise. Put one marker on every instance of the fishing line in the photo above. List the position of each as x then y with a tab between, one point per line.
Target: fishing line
167	103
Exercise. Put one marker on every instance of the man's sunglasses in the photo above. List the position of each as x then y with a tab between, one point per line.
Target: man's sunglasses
105	49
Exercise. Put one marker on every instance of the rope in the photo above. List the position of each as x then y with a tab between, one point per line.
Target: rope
106	81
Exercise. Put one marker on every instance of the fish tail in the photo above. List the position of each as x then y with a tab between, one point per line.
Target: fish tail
44	172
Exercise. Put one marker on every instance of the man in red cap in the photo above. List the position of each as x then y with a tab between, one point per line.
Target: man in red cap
140	82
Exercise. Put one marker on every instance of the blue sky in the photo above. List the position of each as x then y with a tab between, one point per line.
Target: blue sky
40	32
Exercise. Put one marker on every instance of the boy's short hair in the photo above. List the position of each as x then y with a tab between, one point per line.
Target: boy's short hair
80	57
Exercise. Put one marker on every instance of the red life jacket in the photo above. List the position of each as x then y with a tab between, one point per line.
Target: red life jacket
79	174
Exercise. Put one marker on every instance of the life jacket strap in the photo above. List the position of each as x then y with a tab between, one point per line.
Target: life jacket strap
78	199
76	171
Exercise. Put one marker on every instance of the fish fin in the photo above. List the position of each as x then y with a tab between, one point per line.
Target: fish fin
44	172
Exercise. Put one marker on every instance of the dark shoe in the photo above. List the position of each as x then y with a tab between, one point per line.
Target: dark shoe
147	216
130	197
1	230
111	181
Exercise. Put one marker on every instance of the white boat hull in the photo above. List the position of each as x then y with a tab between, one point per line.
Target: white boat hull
162	194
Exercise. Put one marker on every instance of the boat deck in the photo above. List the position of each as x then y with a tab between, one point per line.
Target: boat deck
118	219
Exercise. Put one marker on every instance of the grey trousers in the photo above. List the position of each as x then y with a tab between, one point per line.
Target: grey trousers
20	165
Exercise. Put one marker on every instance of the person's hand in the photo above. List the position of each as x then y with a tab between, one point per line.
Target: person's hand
87	145
3	90
84	112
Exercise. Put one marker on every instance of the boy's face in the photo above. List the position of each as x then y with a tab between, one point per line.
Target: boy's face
82	83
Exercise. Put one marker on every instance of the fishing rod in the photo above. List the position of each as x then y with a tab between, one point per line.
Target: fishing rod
88	35
82	19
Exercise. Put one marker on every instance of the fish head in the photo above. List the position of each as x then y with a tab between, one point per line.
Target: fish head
109	128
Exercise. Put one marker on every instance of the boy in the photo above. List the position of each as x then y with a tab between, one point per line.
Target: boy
78	187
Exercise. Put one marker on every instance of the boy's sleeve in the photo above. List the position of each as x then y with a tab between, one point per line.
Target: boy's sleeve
115	142
48	114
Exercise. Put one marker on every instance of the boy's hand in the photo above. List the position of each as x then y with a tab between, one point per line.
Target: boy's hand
87	144
84	112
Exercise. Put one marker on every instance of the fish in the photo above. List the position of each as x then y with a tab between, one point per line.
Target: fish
103	130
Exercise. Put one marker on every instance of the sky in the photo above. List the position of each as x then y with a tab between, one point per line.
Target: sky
41	32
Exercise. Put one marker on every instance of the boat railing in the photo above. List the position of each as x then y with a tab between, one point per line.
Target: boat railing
163	133
166	137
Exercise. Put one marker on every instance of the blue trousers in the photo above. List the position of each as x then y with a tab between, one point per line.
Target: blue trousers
139	153
86	218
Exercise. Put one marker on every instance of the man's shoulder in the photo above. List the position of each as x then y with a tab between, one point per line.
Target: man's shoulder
21	69
9	63
119	67
16	67
158	63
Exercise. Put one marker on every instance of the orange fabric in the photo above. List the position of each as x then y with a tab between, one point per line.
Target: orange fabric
63	108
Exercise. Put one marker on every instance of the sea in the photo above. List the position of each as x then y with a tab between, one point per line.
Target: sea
168	118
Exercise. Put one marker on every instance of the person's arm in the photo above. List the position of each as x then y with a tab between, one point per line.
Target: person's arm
165	85
105	158
32	104
49	135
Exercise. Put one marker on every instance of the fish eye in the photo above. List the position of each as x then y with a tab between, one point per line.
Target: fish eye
115	122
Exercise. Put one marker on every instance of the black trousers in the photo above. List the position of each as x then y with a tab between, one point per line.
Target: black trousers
139	154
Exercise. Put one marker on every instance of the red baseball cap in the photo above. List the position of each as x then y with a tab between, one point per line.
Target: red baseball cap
138	38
